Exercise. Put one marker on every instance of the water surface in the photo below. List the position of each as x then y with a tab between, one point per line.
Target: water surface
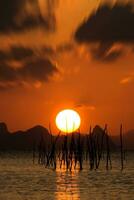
21	180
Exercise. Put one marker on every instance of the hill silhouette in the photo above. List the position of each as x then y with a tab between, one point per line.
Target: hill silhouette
25	140
128	140
22	140
98	134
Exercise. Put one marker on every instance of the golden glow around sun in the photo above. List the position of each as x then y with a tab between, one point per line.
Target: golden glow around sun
68	121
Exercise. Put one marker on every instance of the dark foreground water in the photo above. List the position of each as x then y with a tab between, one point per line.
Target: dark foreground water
21	180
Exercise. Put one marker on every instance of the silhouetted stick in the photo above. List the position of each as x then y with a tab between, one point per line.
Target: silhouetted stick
91	146
52	156
34	150
40	151
121	148
80	151
94	151
101	147
50	133
72	151
108	158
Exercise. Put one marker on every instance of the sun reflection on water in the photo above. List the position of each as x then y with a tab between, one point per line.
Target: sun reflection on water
67	184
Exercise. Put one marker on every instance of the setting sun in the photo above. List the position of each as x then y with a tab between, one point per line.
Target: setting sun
68	121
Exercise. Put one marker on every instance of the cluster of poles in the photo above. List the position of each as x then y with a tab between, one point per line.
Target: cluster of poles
70	151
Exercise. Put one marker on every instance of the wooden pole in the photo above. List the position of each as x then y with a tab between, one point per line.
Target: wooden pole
121	147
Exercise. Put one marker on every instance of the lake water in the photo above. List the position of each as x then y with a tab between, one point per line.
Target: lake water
21	180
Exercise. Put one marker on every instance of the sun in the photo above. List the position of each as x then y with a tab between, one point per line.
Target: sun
68	121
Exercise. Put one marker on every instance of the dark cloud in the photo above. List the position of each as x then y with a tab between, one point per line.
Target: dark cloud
38	70
17	53
107	26
7	73
20	53
104	52
15	17
65	48
3	56
47	50
33	67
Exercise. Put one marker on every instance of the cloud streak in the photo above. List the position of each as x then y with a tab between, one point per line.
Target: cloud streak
33	68
127	80
107	26
22	15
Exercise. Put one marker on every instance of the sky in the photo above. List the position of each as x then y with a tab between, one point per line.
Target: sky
57	54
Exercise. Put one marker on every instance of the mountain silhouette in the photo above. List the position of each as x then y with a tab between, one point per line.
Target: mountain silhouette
98	134
26	140
22	140
128	140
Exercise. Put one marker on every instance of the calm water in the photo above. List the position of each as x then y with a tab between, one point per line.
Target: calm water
21	180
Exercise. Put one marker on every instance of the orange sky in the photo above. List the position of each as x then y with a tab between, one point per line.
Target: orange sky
102	92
